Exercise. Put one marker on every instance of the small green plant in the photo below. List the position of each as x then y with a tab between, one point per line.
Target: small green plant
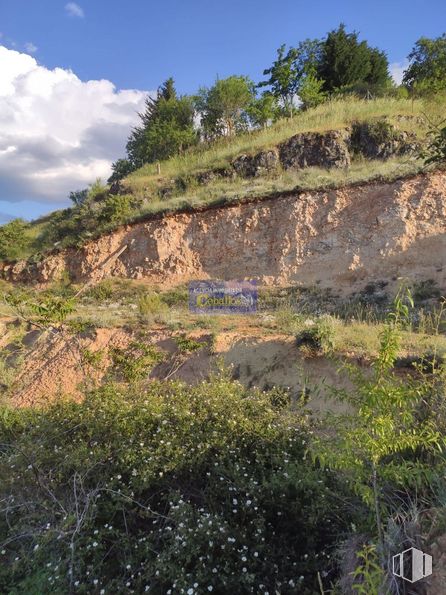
102	291
93	358
319	336
369	575
151	307
187	345
135	362
425	290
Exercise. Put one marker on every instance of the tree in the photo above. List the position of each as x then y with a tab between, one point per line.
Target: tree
121	169
167	127
345	61
427	67
223	106
13	238
262	110
310	91
291	71
386	441
283	78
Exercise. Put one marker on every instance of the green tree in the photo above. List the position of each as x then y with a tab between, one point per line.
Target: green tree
386	441
283	78
262	110
167	127
121	169
13	238
346	61
223	106
310	91
427	67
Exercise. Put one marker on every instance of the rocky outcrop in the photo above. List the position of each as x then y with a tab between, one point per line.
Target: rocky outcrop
250	166
381	140
343	239
327	150
374	140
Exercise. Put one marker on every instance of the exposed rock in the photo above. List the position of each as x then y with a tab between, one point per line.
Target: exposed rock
381	140
250	166
329	149
334	237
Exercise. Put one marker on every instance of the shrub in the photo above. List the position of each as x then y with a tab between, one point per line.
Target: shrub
13	239
116	209
170	488
319	337
134	362
151	307
187	345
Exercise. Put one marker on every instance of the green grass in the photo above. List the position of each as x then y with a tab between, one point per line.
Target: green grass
144	184
237	190
334	114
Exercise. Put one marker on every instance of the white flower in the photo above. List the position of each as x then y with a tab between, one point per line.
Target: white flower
210	588
95	544
190	591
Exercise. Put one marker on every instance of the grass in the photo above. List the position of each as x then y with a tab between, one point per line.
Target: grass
144	184
237	190
335	114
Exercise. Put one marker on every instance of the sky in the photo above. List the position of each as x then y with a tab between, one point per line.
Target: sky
73	75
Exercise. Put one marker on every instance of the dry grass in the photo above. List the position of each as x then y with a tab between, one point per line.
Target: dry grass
311	178
335	114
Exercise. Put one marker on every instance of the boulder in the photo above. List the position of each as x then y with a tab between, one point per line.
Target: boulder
250	166
381	140
329	149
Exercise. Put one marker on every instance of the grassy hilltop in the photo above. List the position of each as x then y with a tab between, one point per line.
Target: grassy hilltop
146	192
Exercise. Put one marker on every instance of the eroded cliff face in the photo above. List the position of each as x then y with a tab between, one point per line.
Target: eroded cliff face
340	238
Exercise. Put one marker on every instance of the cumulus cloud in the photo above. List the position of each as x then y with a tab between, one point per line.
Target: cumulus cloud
397	70
74	10
58	133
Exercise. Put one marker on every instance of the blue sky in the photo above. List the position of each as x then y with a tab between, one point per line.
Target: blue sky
135	45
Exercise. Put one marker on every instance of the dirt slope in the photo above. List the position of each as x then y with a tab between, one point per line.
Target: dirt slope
340	238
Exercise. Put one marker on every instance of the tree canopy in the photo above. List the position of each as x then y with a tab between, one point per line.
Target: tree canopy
346	61
427	67
222	107
167	127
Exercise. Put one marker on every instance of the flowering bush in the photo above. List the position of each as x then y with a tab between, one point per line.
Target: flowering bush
165	489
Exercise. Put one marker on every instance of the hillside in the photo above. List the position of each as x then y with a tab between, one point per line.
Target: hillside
350	141
148	447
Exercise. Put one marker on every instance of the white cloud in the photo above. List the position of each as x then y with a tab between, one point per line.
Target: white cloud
30	47
397	70
58	133
74	10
